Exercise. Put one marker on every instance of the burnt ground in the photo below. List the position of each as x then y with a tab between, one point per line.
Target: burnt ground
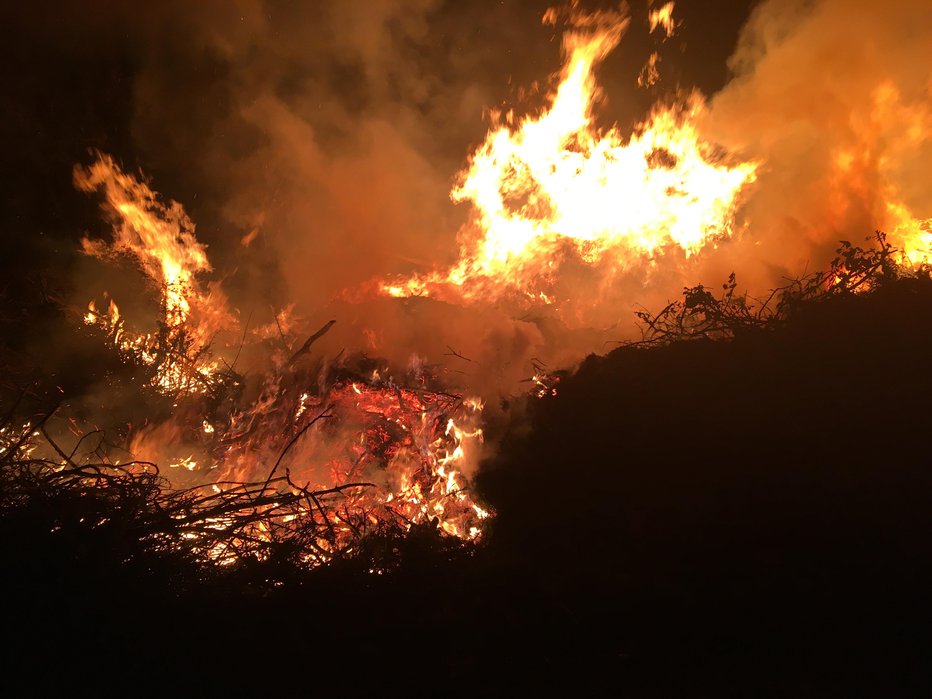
710	518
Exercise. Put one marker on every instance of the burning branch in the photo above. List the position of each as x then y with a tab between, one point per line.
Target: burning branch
413	442
325	415
225	523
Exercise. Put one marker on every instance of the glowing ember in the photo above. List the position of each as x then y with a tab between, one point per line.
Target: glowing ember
555	183
413	443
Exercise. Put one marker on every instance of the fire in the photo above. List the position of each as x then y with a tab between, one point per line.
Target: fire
415	442
663	17
160	238
396	454
551	188
555	185
914	234
871	161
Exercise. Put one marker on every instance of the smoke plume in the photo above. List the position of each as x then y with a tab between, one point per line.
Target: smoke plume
834	98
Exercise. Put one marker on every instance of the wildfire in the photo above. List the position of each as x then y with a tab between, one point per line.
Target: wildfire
546	191
556	186
551	188
397	455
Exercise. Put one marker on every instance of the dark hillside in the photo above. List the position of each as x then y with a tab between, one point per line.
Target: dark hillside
752	508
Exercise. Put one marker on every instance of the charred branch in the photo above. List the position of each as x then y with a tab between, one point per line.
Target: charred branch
305	348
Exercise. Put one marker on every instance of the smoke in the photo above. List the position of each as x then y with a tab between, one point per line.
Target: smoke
833	96
315	145
346	180
322	140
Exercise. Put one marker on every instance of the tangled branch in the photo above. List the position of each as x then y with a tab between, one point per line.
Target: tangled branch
701	314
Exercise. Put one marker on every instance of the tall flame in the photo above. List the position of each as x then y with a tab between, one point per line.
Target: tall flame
160	237
555	183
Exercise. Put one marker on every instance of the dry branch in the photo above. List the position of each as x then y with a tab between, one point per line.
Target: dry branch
224	522
310	341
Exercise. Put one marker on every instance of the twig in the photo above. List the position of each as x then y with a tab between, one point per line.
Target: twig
454	353
242	341
322	416
310	341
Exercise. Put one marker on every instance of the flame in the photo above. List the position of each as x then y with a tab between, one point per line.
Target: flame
912	234
555	184
415	445
160	238
546	190
187	463
420	444
650	73
663	17
871	162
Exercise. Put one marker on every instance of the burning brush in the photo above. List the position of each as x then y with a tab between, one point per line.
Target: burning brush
327	453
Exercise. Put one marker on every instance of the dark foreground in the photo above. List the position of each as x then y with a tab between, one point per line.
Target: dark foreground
740	518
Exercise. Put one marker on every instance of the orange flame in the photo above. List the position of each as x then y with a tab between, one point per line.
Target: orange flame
663	17
556	183
414	444
160	237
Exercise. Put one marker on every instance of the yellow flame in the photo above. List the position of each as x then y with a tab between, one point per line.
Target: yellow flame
160	237
662	17
556	182
187	462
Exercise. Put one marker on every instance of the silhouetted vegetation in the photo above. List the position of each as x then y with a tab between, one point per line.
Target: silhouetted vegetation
701	315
